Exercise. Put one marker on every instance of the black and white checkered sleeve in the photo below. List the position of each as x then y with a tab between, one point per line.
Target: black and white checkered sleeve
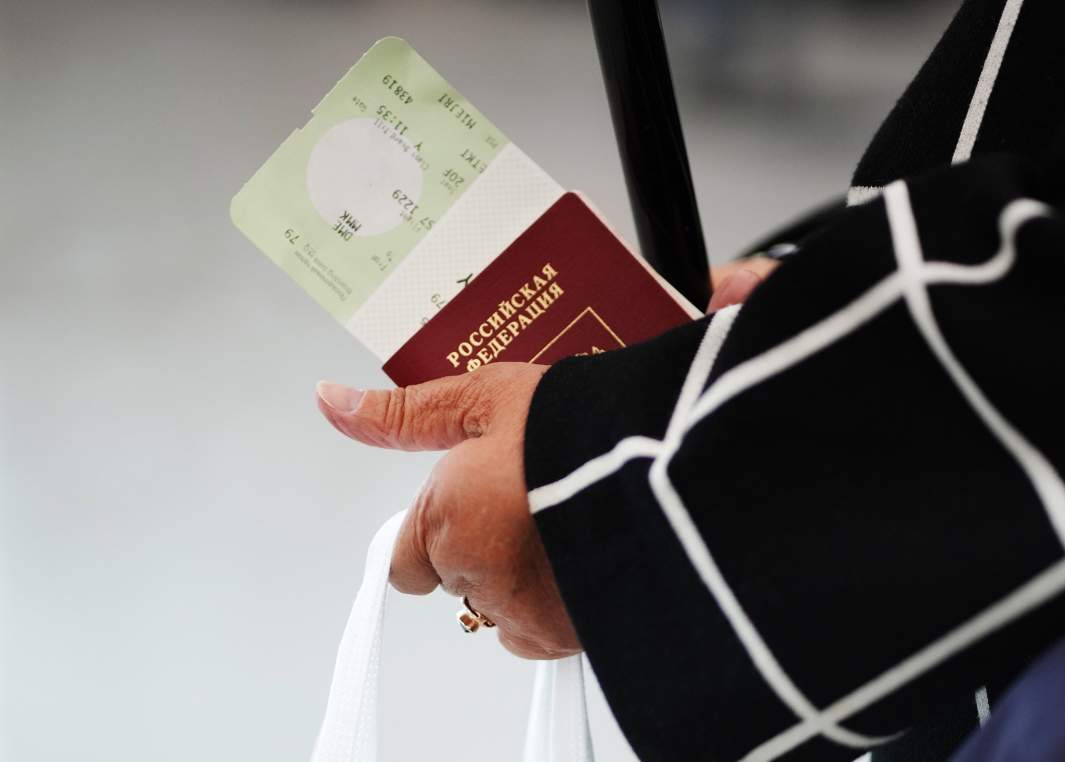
786	531
994	83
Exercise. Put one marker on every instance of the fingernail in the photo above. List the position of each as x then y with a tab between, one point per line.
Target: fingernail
343	399
734	289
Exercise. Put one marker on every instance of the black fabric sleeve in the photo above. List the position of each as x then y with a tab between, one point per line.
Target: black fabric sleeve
1022	108
858	509
995	82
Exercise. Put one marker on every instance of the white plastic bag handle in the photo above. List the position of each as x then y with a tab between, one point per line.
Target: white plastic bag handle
558	720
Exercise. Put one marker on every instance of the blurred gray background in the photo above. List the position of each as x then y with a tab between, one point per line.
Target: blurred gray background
181	534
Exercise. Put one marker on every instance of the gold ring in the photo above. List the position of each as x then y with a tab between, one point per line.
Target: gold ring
470	619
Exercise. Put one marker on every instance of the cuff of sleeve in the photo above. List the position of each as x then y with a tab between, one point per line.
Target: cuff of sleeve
584	406
661	650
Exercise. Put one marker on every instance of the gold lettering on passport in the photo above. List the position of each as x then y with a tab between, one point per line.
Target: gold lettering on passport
514	314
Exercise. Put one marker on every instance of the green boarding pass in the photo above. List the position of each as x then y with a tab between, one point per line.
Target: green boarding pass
345	198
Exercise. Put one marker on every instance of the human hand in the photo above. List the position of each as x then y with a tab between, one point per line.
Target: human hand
733	283
469	530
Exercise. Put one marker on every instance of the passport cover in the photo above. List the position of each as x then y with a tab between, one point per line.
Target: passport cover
566	286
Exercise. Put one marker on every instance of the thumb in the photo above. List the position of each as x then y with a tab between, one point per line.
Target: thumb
436	415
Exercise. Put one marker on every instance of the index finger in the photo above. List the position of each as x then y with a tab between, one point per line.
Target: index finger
412	571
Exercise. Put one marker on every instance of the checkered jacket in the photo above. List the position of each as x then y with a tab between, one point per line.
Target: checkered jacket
798	528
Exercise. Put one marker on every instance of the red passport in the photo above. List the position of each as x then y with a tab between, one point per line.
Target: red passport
566	286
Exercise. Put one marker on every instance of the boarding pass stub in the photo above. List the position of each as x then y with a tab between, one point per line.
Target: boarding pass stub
386	155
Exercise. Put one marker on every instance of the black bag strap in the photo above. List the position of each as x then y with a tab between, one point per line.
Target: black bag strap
639	87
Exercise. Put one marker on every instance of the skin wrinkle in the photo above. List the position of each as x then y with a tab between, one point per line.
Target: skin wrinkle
396	415
476	408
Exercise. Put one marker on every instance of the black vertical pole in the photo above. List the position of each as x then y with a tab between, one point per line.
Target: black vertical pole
632	53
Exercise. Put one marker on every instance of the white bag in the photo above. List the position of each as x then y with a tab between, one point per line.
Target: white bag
558	720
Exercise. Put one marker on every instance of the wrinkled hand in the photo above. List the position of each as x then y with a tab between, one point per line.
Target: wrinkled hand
470	530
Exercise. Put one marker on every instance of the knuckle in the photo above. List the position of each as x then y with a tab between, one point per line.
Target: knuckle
424	403
460	402
395	415
474	403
